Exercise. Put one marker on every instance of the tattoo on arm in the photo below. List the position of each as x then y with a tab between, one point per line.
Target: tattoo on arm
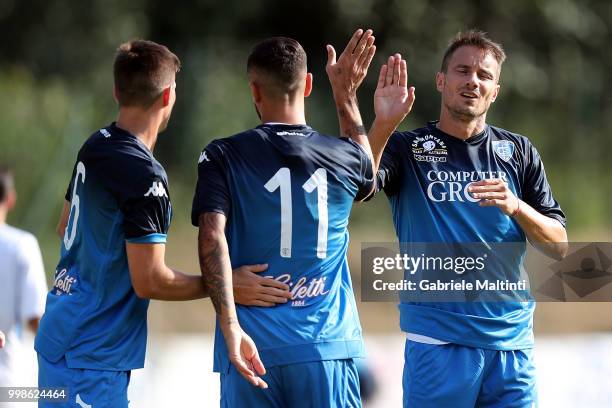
353	127
214	261
357	130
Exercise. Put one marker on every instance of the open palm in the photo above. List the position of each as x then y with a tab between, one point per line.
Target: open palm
393	99
347	74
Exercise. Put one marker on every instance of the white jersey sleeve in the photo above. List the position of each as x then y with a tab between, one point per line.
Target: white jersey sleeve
34	284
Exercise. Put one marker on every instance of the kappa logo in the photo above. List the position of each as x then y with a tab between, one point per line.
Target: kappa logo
157	190
203	157
105	133
81	402
429	149
504	149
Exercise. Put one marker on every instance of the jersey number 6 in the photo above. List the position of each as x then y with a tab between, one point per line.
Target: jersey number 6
74	207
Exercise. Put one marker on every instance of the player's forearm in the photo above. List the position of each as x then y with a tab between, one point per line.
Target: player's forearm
544	232
170	284
216	267
349	119
378	136
152	279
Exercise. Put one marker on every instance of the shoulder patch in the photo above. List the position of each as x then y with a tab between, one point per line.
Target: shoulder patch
504	149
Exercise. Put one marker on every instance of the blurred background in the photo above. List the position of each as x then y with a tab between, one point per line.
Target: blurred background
56	89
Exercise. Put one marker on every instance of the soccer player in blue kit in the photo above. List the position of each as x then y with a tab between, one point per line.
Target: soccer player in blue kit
114	226
461	180
282	193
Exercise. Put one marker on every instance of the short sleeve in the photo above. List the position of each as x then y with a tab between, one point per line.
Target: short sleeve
34	285
212	192
365	179
147	210
536	190
68	195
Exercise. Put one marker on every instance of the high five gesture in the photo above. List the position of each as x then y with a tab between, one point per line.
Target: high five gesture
393	100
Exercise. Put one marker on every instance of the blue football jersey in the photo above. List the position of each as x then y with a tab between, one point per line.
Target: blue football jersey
425	174
287	192
118	193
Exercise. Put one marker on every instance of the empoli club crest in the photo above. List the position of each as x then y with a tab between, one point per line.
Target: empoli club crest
504	149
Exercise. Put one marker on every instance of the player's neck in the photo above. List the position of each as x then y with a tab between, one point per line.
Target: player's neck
142	125
3	214
290	113
461	129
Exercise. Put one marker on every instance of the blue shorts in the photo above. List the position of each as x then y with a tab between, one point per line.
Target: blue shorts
320	384
451	375
85	388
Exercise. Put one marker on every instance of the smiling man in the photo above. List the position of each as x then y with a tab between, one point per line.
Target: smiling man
461	180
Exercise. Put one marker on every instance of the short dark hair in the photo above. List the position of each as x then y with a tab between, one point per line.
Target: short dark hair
6	182
282	59
473	38
142	70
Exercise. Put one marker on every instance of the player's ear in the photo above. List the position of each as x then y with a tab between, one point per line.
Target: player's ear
495	93
440	79
308	87
255	92
115	94
166	95
11	200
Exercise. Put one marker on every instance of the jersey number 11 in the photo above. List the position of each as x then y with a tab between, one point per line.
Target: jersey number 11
318	181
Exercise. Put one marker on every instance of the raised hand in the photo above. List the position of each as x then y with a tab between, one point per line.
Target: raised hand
392	102
346	74
393	99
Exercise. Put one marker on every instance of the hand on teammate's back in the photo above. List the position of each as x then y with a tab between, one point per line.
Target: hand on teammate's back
393	99
252	289
346	74
2	339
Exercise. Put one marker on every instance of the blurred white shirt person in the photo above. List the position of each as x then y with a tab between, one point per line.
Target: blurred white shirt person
23	287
